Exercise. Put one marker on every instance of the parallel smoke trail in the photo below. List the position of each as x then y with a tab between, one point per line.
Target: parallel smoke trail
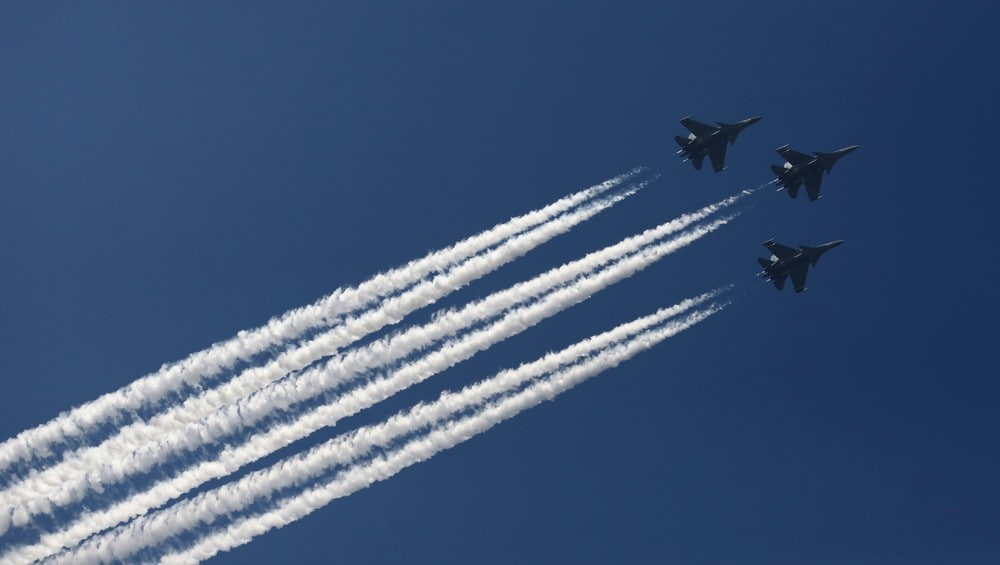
451	353
70	479
341	369
419	449
38	441
150	530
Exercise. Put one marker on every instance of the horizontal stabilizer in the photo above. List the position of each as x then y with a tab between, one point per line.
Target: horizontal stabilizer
682	141
778	170
793	190
779	282
764	262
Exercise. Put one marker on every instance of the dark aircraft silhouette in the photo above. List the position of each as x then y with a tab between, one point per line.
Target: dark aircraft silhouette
787	261
801	168
709	140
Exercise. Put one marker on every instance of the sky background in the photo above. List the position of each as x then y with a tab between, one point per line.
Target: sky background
174	173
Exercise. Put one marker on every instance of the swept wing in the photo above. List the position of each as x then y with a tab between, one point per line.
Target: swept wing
799	276
780	251
812	180
697	128
718	156
793	156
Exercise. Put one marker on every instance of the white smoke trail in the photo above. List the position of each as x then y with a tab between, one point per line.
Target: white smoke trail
247	411
260	445
148	530
69	479
69	482
416	450
39	441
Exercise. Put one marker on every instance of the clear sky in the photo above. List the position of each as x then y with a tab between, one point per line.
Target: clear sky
174	173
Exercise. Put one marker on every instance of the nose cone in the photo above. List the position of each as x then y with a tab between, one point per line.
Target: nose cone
831	245
846	150
751	121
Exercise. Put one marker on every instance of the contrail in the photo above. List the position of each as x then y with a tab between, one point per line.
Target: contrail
39	441
415	451
260	445
68	480
54	486
71	480
147	531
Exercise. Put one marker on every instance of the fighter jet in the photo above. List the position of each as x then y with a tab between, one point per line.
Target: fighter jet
709	140
800	168
787	261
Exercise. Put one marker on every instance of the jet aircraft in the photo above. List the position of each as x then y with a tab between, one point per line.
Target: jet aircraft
801	168
787	261
709	140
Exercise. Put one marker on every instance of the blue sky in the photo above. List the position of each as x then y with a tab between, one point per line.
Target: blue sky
175	173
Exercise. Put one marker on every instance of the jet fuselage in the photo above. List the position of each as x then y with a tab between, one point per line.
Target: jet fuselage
791	175
795	174
709	141
701	145
790	262
785	265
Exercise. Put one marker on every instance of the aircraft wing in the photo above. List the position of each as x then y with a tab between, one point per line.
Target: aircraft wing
813	180
799	277
717	153
793	156
780	251
696	127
